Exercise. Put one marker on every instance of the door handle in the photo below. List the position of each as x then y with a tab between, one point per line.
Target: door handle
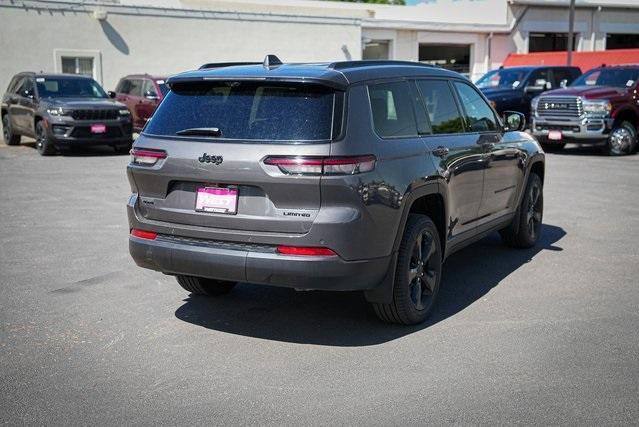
440	151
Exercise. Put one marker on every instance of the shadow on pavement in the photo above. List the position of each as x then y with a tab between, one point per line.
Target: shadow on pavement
344	318
583	150
89	151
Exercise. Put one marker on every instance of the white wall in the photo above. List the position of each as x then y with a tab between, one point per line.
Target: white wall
137	43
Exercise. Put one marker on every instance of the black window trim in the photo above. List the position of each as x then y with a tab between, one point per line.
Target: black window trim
457	104
370	83
499	126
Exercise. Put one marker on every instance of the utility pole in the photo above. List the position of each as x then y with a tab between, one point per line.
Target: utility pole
571	32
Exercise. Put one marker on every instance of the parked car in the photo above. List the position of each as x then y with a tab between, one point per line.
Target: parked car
62	111
359	175
514	88
599	108
142	94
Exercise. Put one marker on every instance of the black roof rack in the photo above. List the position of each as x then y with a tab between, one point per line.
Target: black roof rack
225	64
375	62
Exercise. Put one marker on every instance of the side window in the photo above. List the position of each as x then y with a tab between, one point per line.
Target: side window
16	85
441	107
26	88
562	77
135	88
541	78
479	115
392	110
149	89
123	87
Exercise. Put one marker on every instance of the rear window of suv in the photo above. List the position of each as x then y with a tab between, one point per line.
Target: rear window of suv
247	111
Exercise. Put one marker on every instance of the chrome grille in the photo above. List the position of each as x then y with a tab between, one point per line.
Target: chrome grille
97	114
559	106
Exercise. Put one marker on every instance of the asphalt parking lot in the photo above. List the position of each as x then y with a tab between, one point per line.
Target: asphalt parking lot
542	336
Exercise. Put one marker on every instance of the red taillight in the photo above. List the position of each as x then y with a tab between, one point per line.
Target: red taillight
305	251
146	157
143	234
301	165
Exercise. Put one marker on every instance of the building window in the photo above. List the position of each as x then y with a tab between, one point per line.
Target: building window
550	42
78	61
77	65
376	49
622	41
449	56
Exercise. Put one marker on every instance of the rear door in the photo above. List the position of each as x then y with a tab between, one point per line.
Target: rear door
255	120
461	158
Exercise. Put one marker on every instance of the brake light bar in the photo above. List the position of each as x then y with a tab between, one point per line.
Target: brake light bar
305	251
307	165
146	157
143	234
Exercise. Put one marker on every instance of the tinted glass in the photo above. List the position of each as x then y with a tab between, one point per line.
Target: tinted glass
619	77
26	87
504	78
136	87
537	76
249	111
440	104
562	75
392	110
479	115
149	88
163	87
69	87
124	86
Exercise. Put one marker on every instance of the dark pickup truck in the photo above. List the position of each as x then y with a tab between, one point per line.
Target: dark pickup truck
601	107
512	89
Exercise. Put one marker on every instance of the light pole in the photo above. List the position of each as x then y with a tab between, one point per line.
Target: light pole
571	32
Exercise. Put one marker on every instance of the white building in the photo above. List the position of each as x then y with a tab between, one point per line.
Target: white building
112	38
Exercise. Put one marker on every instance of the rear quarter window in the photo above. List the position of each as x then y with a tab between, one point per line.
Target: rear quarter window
392	110
248	111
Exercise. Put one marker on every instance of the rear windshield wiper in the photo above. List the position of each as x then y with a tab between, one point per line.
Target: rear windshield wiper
200	132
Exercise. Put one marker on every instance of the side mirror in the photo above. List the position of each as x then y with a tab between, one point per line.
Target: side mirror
514	121
27	94
563	83
111	94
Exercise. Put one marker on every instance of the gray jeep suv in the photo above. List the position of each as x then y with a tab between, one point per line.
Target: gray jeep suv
359	175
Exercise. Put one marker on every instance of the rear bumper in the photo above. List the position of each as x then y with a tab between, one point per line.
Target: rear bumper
259	264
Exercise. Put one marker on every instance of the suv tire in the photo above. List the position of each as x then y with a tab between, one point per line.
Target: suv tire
417	275
202	286
622	139
9	137
525	229
44	146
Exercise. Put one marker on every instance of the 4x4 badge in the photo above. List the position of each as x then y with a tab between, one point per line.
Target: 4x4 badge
206	158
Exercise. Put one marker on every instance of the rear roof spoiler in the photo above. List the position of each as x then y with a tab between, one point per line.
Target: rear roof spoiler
225	64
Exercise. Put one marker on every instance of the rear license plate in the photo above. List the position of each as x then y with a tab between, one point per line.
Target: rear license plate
98	128
216	199
555	135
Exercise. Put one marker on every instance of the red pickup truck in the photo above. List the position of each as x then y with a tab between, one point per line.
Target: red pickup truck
601	107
